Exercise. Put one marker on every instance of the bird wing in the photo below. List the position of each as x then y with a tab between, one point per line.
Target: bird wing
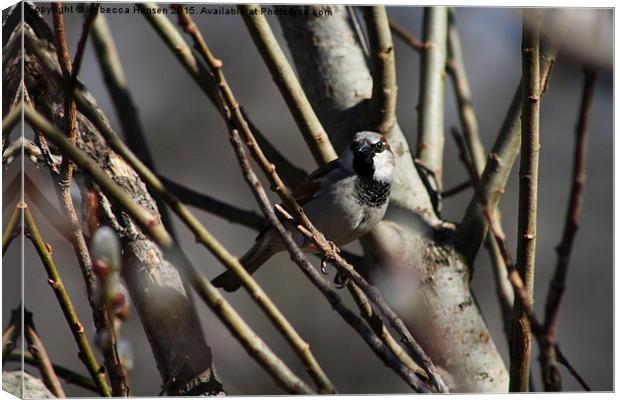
313	184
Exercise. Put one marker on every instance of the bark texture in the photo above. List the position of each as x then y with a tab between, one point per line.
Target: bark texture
412	244
184	360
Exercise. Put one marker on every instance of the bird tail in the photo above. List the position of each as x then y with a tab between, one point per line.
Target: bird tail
251	261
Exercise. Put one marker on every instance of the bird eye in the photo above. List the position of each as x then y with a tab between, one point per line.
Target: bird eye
379	146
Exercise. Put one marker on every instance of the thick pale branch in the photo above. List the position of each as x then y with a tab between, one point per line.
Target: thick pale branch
432	79
283	75
384	89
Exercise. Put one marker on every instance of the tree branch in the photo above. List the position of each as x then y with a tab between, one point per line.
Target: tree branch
384	89
77	329
455	67
551	375
37	349
432	80
284	77
415	43
9	121
520	339
13	227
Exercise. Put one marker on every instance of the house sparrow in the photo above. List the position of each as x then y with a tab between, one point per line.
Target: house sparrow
344	199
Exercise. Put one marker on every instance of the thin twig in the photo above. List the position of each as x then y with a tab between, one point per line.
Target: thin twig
284	77
231	112
214	206
248	338
379	328
315	277
81	45
66	374
430	149
551	375
520	339
384	87
407	37
37	349
77	329
469	122
456	189
562	359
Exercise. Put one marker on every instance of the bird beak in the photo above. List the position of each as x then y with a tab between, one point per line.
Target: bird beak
364	148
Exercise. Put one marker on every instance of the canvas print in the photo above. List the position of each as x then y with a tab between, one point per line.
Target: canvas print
255	199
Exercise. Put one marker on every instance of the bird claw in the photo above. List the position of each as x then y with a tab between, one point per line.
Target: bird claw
341	280
324	267
333	246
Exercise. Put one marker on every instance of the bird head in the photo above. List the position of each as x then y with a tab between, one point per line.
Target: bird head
371	156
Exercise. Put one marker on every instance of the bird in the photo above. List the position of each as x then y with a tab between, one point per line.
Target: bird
344	199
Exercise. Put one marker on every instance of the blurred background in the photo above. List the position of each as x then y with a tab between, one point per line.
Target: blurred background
190	144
